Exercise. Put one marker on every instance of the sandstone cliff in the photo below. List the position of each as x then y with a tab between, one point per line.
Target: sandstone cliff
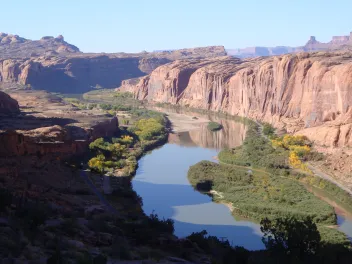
74	72
306	92
8	105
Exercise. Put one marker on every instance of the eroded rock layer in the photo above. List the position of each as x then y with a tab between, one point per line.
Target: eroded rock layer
50	127
80	73
306	92
8	105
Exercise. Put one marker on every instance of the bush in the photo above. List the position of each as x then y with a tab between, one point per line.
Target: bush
268	129
213	126
221	251
148	129
290	237
105	106
123	95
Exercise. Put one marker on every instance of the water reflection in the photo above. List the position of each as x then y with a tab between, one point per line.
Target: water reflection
161	181
232	135
345	225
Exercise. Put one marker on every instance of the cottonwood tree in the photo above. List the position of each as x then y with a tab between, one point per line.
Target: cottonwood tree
290	237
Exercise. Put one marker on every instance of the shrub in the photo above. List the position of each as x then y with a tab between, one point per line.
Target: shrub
290	237
148	129
268	129
214	126
258	194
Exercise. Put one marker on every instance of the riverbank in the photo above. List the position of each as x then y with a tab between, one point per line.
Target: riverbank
260	185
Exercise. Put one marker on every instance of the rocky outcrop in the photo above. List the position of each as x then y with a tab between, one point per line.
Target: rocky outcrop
8	105
69	75
13	46
337	42
296	92
79	73
52	127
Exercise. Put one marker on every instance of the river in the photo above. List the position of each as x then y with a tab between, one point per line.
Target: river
161	180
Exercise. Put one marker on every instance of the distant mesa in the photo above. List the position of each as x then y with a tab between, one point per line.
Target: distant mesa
337	42
13	46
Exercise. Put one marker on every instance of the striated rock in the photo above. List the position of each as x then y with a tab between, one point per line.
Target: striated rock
78	73
8	105
54	65
295	92
147	65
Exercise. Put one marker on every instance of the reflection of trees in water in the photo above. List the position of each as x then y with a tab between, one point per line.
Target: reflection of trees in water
232	135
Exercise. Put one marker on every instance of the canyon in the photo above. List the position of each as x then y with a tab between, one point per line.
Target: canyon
42	137
307	93
54	65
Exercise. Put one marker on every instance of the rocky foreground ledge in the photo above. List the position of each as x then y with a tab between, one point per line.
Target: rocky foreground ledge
47	125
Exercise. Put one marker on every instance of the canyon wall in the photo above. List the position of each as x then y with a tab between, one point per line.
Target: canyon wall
309	93
8	105
74	74
54	65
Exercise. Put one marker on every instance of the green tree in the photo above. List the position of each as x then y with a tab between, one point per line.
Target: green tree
291	237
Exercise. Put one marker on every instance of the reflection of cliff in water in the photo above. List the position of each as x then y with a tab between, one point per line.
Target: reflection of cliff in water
232	135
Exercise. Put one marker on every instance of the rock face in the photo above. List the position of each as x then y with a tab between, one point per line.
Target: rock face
306	92
52	64
8	105
13	46
54	129
337	42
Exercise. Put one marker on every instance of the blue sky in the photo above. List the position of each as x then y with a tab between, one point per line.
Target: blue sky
136	25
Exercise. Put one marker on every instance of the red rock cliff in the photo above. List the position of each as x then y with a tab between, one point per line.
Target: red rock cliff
301	92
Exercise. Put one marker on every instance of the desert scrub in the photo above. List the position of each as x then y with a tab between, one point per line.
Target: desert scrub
214	126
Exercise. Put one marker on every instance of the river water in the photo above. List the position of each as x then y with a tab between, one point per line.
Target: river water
161	180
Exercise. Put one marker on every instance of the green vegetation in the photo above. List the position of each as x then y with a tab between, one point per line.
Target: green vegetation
123	95
221	250
214	126
290	237
333	190
268	130
255	194
120	155
300	241
258	181
258	152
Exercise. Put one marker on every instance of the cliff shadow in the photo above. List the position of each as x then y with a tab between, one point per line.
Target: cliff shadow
26	121
193	211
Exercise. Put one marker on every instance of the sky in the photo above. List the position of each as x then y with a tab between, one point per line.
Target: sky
137	25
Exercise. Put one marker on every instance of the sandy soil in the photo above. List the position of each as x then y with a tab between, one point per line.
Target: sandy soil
183	122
